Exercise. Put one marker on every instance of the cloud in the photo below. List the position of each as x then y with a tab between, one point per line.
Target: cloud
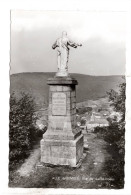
101	33
80	25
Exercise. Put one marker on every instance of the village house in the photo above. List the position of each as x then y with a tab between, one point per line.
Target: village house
97	123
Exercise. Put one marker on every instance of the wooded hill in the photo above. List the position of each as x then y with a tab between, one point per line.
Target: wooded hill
88	88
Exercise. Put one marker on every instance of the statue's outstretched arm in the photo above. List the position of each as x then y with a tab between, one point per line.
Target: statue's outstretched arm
54	45
73	44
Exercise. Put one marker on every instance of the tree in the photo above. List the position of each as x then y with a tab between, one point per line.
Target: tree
114	134
117	100
22	128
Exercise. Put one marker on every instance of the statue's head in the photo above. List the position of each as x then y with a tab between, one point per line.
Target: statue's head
64	34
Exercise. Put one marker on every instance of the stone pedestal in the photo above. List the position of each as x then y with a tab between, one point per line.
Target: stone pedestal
62	144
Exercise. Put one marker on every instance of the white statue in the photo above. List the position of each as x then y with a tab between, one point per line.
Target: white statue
62	45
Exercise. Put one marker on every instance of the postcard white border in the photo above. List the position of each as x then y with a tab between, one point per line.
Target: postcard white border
93	5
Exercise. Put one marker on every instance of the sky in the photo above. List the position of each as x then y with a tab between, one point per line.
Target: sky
102	34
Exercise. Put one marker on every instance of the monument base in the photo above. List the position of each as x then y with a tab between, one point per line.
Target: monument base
62	144
62	152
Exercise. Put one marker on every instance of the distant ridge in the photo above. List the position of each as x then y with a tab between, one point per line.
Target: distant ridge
53	74
89	87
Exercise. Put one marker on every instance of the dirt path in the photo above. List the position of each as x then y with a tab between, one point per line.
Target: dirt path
91	174
29	165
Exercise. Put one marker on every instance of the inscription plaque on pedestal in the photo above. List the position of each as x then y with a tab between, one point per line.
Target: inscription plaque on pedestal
58	104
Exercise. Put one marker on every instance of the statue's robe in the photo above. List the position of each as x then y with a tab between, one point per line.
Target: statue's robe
62	45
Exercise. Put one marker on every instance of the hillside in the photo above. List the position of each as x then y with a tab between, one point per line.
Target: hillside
89	87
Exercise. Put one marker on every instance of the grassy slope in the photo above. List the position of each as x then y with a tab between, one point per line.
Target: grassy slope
89	87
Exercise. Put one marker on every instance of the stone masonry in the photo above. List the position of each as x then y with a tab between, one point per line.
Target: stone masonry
62	144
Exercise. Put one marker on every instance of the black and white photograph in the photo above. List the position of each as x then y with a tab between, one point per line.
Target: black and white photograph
65	107
67	99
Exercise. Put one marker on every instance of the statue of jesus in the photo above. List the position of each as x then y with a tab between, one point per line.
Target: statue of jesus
62	45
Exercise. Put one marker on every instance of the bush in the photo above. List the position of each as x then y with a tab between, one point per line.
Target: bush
83	110
101	130
22	129
83	121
